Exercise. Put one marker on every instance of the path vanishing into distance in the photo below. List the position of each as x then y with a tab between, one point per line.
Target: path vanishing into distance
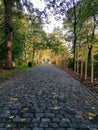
46	98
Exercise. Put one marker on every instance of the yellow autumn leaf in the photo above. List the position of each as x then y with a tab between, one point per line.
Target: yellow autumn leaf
14	99
11	117
22	119
91	114
8	126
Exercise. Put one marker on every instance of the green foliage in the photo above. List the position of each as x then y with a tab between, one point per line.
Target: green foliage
70	63
36	39
56	45
26	34
23	67
19	37
18	40
90	8
2	45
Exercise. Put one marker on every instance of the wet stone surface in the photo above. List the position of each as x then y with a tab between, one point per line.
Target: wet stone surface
46	98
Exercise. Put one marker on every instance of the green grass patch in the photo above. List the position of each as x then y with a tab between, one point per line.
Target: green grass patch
22	67
4	74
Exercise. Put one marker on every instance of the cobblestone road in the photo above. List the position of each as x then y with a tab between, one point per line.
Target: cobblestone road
46	98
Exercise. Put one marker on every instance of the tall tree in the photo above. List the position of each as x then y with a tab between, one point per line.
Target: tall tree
8	32
36	38
89	15
2	55
11	5
73	17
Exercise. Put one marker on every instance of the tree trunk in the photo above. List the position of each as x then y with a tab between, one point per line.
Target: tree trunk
92	58
26	56
74	60
92	67
81	61
38	57
77	61
77	67
56	61
86	62
75	36
33	55
8	33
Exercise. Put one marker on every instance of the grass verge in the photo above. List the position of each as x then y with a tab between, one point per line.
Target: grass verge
4	74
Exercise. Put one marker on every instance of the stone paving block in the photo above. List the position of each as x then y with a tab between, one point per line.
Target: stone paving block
61	129
55	120
1	124
54	125
39	114
73	125
17	119
47	111
11	125
51	115
14	111
45	120
4	115
36	124
44	124
28	115
93	125
25	129
63	124
44	98
38	128
66	120
36	120
93	129
71	129
60	116
82	125
3	128
76	120
49	129
28	120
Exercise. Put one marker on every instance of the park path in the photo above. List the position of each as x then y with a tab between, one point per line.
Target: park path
46	98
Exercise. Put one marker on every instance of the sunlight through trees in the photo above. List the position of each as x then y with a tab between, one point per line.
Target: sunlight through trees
23	39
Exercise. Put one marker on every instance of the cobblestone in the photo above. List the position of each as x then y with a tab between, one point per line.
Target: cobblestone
37	128
47	98
49	128
1	124
45	120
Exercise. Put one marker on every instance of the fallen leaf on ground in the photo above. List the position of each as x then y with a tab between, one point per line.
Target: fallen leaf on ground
91	114
22	120
14	99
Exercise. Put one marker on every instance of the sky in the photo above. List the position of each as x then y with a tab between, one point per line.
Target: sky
39	4
53	23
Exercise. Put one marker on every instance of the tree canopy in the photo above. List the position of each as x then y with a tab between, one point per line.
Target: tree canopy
22	34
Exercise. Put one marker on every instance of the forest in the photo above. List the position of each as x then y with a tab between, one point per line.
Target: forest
75	46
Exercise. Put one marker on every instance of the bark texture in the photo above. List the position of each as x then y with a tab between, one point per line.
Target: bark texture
8	33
